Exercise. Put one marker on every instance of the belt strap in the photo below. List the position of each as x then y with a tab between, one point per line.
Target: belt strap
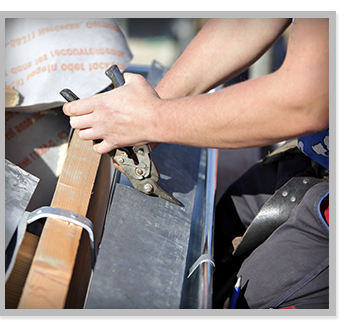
274	213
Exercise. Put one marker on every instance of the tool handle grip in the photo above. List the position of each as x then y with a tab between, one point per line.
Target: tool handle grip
115	76
68	95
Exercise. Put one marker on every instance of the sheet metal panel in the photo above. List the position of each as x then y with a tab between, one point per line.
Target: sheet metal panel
142	259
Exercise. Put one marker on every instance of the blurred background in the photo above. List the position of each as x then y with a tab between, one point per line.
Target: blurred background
163	40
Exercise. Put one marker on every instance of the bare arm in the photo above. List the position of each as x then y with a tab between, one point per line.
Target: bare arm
221	50
288	103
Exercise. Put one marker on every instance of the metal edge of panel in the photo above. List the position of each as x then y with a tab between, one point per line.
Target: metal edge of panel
208	267
198	284
191	298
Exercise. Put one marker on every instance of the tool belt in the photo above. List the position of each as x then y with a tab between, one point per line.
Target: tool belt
278	208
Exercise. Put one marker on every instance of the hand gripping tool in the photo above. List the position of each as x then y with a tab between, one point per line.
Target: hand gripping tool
136	161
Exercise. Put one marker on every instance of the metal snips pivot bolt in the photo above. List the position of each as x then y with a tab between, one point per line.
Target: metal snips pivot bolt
142	172
148	188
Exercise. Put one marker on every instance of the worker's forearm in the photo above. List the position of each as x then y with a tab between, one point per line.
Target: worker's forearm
288	103
222	49
253	113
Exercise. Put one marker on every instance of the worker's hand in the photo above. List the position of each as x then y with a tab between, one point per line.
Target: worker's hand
122	117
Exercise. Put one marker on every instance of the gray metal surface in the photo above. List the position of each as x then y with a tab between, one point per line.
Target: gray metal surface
142	259
19	188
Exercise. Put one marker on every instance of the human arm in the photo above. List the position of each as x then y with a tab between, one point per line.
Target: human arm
220	51
290	102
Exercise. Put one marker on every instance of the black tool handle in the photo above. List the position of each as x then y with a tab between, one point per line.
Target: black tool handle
68	95
112	72
115	76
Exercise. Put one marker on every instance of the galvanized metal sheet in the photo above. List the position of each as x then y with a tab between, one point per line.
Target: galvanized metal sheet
19	188
142	259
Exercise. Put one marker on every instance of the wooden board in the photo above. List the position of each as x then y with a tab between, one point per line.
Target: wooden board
49	278
14	285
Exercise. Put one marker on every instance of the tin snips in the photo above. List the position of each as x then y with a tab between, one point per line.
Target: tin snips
136	161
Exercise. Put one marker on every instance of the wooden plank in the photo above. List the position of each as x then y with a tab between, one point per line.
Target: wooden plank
16	281
50	275
96	213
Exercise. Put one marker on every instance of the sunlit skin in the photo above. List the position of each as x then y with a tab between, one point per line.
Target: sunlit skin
288	103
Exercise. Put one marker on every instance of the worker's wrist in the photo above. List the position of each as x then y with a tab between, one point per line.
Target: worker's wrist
162	121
